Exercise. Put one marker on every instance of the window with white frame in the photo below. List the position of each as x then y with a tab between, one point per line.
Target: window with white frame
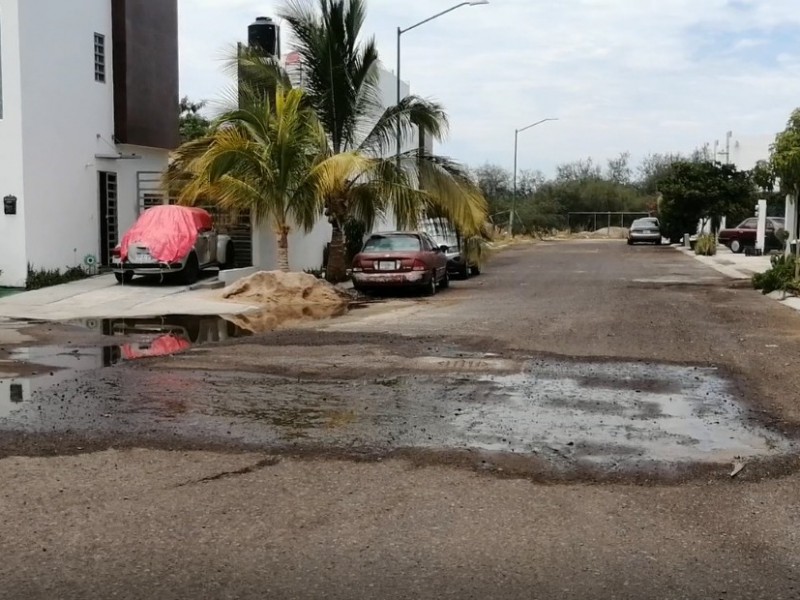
99	58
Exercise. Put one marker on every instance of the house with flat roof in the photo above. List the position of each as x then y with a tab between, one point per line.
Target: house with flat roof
88	115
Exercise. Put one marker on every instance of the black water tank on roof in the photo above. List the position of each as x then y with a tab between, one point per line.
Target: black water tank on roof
266	35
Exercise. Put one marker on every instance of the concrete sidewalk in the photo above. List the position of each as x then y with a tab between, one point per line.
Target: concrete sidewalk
735	266
739	266
101	297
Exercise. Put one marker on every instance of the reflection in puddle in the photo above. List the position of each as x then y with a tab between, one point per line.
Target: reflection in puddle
139	338
142	338
55	365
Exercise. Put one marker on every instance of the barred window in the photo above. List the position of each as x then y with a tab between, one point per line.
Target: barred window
99	58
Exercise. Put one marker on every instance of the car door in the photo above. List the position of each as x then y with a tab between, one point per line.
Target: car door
201	247
437	258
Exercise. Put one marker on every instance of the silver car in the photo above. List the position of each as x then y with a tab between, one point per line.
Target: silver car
645	231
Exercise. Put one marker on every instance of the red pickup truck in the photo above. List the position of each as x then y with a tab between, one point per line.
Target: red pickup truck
738	238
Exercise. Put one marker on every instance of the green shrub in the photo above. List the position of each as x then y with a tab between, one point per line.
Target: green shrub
42	278
779	277
706	245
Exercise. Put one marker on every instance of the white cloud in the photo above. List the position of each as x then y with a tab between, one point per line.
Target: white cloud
642	76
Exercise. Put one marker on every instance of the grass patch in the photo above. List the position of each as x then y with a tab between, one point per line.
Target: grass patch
42	278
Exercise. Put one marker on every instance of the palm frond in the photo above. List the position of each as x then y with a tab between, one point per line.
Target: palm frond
341	77
412	113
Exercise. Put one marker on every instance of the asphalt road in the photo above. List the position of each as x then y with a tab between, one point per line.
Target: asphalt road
563	426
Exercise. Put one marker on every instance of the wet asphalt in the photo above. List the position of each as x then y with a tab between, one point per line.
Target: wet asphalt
564	425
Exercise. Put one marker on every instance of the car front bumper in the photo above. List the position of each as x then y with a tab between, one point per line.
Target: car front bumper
147	268
377	280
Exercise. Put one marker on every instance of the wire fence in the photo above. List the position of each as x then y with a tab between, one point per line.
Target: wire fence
595	221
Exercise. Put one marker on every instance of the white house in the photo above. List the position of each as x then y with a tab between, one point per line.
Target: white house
306	249
88	114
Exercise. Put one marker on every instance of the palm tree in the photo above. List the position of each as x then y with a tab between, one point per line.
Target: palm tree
340	73
268	157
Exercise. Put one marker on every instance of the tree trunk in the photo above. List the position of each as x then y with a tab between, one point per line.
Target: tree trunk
283	249
336	271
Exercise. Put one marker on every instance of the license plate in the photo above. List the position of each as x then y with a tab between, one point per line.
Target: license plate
387	265
143	256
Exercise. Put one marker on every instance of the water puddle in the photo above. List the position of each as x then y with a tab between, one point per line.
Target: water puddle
619	413
598	415
27	370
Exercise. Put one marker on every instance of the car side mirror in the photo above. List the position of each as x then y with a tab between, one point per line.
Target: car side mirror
444	248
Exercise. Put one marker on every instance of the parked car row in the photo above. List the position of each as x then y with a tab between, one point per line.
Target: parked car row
402	259
648	230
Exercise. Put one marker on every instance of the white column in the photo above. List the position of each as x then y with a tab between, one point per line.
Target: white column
761	231
791	220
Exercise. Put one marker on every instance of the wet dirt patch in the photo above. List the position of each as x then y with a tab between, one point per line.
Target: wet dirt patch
545	413
638	385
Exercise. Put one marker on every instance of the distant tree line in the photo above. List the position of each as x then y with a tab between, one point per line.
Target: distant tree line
682	190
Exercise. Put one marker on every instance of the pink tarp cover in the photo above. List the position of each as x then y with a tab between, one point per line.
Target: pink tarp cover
169	232
166	345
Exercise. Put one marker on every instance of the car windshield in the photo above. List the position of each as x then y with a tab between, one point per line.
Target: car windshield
393	243
779	223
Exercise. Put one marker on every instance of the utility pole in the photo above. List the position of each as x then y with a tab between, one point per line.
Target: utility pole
516	152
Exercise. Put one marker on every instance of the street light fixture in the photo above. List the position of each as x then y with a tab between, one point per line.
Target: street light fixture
516	146
400	32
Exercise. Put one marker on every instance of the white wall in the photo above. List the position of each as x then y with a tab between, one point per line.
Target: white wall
68	119
13	260
305	249
746	151
152	160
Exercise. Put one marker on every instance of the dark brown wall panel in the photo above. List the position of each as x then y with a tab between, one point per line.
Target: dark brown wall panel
146	86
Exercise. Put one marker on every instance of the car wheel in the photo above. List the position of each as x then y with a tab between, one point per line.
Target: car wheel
465	272
230	261
658	242
124	277
430	288
475	270
630	242
191	270
445	282
736	247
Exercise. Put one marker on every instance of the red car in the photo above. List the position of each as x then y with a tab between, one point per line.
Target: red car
738	238
401	260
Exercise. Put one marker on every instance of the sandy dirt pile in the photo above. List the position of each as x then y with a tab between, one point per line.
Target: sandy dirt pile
262	321
286	298
272	289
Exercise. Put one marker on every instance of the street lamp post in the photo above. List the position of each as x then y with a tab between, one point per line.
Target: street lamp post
516	151
400	32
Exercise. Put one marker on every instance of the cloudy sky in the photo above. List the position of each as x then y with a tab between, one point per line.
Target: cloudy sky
621	75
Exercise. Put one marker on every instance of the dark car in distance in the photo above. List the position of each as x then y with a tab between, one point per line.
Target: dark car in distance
744	235
401	259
